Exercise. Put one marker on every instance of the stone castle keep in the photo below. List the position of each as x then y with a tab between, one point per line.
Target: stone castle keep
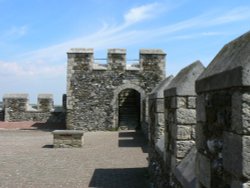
105	97
197	123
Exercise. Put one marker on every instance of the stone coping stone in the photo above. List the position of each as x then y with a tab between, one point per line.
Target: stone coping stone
152	51
185	171
183	83
158	91
67	132
117	51
81	50
16	96
229	68
45	96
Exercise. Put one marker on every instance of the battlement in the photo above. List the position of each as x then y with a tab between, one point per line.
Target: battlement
149	60
20	102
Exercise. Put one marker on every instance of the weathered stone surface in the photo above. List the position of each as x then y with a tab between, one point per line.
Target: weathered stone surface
93	95
200	108
45	102
185	171
238	184
241	112
178	102
158	91
67	138
183	82
183	147
182	132
236	152
191	102
230	66
16	108
200	139
185	116
203	170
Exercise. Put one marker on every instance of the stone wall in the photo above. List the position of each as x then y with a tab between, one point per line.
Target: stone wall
180	121
222	132
156	137
93	90
172	123
16	108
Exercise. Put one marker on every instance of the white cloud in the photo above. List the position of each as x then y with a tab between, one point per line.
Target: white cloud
15	32
11	69
48	60
141	13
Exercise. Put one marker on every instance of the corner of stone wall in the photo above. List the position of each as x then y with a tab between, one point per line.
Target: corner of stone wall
180	122
222	132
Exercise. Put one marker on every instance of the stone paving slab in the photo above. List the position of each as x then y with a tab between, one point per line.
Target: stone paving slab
107	160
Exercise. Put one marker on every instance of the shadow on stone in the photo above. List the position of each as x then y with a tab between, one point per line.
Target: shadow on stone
133	139
120	177
48	146
49	126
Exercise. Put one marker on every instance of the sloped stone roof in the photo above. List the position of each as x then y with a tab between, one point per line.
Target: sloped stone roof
229	68
158	91
184	82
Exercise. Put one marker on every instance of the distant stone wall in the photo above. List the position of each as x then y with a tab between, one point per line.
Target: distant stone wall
16	108
93	90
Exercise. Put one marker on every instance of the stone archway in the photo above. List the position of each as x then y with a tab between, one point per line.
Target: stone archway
129	109
115	102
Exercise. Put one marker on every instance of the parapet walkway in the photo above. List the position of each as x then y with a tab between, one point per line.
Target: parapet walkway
107	160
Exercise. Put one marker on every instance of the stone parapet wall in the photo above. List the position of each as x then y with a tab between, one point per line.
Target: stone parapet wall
222	132
16	108
156	134
180	122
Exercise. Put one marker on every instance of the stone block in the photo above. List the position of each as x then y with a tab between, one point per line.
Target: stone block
185	171
201	108
67	138
181	132
191	102
185	116
200	139
160	105
236	154
203	170
241	112
181	102
182	148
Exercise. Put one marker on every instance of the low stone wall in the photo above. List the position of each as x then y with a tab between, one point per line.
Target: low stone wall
16	108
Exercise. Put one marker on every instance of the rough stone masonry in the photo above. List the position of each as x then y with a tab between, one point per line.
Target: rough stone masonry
103	97
223	116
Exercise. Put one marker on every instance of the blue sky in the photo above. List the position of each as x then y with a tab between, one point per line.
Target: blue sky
36	34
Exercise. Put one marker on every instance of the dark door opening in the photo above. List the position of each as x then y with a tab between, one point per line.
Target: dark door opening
129	109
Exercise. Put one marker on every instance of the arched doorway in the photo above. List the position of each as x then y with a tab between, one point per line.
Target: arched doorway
129	104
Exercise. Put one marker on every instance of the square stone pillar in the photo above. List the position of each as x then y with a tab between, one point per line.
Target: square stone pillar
45	102
180	119
223	115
